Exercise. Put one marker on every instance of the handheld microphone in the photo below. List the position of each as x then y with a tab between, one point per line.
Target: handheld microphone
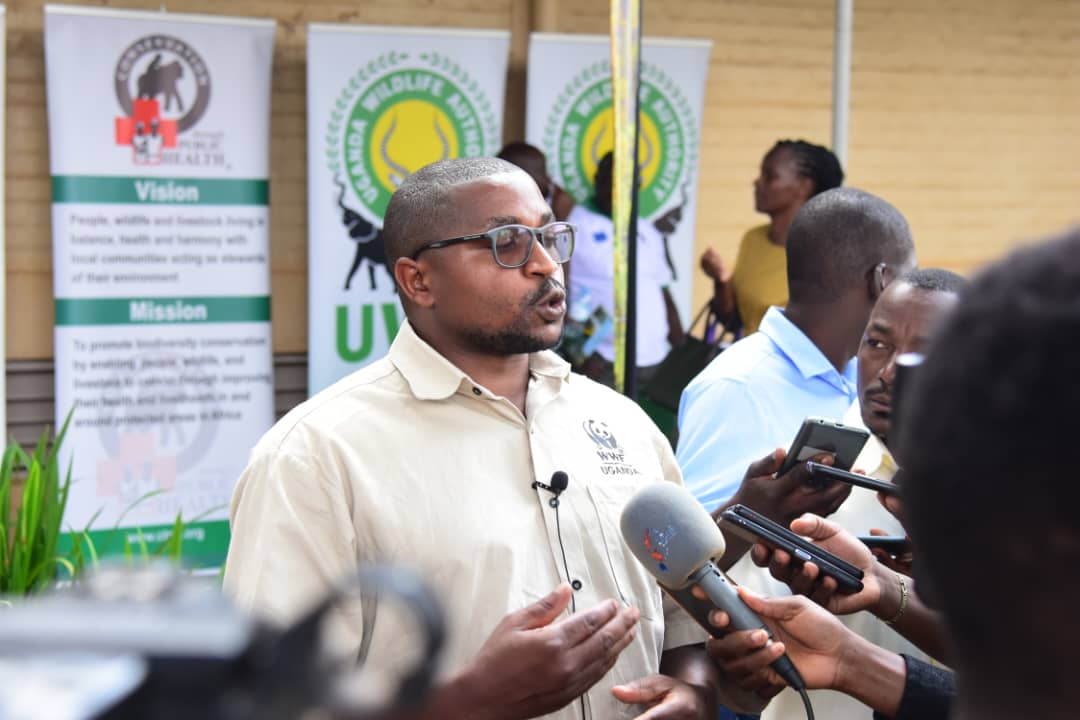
677	541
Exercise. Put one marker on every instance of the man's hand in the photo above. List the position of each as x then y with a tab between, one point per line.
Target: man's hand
827	654
784	498
815	641
531	665
903	563
808	580
893	504
666	697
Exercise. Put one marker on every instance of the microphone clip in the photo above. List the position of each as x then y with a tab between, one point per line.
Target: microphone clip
559	483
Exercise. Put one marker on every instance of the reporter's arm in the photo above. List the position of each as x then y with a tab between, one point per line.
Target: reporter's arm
780	498
918	623
882	593
827	654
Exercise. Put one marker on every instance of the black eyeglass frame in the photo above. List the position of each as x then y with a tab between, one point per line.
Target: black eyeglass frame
537	235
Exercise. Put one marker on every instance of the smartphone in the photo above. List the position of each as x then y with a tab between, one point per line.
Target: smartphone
818	436
863	481
754	527
697	609
892	544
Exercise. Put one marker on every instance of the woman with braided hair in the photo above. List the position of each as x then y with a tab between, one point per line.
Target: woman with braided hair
792	172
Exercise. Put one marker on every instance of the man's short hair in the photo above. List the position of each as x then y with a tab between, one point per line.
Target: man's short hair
837	237
990	488
935	280
421	206
517	150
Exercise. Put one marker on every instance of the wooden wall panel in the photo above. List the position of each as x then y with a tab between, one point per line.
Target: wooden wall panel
28	241
965	114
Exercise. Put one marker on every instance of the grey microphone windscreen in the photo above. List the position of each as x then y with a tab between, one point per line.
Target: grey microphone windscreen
670	533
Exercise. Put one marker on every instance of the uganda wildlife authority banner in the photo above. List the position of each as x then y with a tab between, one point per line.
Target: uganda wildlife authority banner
569	117
159	155
382	103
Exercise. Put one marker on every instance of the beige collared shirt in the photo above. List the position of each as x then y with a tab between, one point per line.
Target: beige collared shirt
408	461
859	513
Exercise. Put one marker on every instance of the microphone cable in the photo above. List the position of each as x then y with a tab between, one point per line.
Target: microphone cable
791	675
806	703
559	482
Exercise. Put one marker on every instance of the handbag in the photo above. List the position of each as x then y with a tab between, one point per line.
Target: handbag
686	360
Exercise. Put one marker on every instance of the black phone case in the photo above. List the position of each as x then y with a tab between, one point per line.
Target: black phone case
856	479
844	441
753	527
892	544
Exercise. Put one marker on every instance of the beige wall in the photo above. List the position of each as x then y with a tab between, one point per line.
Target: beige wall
964	114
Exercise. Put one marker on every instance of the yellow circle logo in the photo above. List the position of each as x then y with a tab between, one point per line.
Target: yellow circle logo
408	136
599	139
400	112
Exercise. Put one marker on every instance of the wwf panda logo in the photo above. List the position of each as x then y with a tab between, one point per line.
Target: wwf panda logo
598	432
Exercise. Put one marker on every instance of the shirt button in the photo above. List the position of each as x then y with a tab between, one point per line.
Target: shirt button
576	584
476	391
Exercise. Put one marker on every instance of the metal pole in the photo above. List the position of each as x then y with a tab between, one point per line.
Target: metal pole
842	80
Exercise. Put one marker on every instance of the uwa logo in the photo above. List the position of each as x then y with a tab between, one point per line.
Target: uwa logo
397	113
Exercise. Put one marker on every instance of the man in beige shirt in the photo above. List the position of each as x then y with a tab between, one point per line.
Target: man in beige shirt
430	457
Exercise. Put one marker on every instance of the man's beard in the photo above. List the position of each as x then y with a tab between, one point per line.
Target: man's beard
517	339
512	341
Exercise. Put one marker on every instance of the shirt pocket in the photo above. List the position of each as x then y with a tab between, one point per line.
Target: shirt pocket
633	582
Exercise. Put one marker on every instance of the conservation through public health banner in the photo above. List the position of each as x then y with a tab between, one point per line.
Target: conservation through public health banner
159	155
382	103
569	117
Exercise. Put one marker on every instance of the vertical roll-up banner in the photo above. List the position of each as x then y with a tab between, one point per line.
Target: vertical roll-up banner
3	262
569	117
382	103
159	154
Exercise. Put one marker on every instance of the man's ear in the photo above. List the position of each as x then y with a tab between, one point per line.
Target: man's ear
412	281
879	278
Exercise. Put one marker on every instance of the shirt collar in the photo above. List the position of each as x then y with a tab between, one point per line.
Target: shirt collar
801	350
432	377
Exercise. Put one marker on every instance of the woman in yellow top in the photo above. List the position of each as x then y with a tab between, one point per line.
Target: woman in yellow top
792	172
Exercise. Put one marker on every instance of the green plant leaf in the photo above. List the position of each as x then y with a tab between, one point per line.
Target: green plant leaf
143	548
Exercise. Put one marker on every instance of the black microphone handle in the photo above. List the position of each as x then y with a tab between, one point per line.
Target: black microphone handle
725	597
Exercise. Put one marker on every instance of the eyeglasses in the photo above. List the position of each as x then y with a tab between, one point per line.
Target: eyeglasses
512	245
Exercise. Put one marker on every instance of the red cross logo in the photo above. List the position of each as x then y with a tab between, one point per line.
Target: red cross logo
145	132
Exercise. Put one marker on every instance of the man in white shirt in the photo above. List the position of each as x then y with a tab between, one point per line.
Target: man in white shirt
591	274
592	271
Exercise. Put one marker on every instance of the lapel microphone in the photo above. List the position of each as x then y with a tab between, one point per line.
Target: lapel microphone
559	482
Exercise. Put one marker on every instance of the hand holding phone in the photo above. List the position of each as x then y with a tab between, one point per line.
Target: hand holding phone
892	544
818	436
753	527
830	537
